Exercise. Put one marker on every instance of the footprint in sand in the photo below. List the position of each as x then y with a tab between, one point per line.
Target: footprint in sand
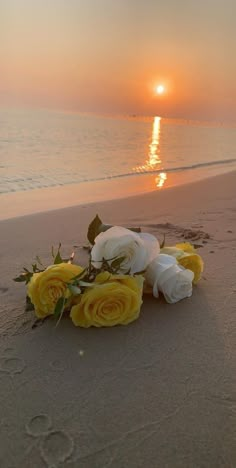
3	290
12	365
55	446
39	425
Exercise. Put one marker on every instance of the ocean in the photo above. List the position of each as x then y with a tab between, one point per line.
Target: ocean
42	148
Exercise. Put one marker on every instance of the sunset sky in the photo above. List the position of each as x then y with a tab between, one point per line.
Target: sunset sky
109	56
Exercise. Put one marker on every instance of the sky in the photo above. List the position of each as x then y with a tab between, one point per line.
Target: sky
108	56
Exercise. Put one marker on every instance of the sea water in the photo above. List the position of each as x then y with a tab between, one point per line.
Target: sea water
42	148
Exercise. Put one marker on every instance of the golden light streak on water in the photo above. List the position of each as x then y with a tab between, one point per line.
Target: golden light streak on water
160	179
154	149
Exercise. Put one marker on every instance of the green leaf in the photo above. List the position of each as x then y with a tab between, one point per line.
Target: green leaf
97	226
75	278
87	284
75	290
28	305
162	245
93	229
58	259
23	277
20	279
117	262
59	306
28	277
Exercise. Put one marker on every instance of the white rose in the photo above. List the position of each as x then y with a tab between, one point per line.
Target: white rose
138	249
165	275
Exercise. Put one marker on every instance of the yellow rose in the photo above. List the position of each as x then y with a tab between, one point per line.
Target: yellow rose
186	247
114	302
191	260
194	263
45	288
186	255
103	277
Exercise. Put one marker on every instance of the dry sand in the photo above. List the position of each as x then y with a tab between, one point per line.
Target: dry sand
158	393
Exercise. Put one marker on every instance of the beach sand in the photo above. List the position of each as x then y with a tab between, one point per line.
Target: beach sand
158	393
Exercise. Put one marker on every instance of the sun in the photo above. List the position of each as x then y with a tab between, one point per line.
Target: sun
160	89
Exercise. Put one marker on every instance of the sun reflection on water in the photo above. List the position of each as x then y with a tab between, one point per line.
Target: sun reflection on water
160	179
154	161
154	158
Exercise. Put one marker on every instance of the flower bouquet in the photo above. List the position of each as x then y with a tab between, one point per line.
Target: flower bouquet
123	264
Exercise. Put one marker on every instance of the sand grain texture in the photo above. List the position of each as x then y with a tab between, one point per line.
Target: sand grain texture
160	392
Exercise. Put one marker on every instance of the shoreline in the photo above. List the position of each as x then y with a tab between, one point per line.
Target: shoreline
25	203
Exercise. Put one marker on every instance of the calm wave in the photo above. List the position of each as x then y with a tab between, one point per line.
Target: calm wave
44	149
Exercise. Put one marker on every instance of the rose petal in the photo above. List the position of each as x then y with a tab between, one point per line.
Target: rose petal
165	275
151	244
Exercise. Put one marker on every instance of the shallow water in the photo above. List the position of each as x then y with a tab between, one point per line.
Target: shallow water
40	148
